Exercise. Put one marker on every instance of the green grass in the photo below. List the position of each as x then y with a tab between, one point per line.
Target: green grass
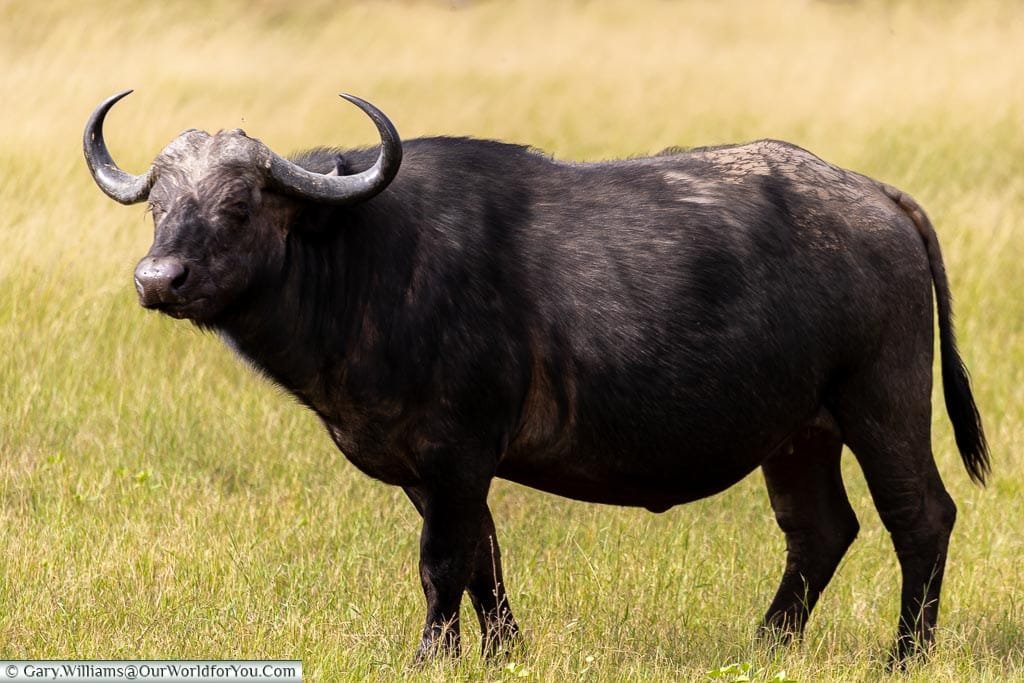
157	499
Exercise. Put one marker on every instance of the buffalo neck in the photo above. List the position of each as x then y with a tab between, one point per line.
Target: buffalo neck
329	305
295	324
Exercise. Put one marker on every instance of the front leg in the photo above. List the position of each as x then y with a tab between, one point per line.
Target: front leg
445	546
498	629
453	522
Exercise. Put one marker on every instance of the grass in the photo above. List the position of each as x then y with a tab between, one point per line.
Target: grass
159	500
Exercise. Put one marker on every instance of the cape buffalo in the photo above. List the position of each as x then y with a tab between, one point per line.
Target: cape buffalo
641	332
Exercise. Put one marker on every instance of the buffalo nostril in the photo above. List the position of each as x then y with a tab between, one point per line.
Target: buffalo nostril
179	279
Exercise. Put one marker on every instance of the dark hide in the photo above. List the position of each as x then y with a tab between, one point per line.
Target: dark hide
643	332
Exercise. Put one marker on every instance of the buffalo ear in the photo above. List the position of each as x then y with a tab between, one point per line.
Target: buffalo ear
340	166
314	218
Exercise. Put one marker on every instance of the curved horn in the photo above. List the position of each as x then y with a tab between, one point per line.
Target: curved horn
335	189
118	185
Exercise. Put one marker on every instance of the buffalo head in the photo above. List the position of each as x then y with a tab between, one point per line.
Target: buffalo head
220	205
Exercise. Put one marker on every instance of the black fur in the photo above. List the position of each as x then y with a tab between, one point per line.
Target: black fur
643	332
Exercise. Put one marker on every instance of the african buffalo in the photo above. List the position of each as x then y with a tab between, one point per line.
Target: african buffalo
643	332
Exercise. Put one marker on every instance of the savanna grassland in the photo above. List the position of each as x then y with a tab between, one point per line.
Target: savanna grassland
159	500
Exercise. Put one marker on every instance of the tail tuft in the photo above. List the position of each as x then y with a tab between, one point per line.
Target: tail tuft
963	413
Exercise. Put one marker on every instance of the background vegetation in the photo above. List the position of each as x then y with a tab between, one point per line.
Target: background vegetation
158	500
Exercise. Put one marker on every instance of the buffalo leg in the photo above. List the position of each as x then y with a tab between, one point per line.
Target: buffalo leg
805	487
919	515
887	424
459	552
486	588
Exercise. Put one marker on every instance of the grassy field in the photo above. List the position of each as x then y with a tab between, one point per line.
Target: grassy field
158	500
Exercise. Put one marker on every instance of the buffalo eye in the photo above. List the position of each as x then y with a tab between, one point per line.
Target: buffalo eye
236	210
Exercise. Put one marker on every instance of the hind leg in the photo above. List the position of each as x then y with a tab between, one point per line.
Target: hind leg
887	424
919	515
805	487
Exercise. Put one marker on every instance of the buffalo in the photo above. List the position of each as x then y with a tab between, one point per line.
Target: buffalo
641	332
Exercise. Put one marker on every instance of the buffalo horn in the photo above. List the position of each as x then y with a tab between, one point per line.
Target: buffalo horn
344	189
118	185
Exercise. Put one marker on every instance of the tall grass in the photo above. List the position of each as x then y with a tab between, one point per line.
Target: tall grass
159	500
